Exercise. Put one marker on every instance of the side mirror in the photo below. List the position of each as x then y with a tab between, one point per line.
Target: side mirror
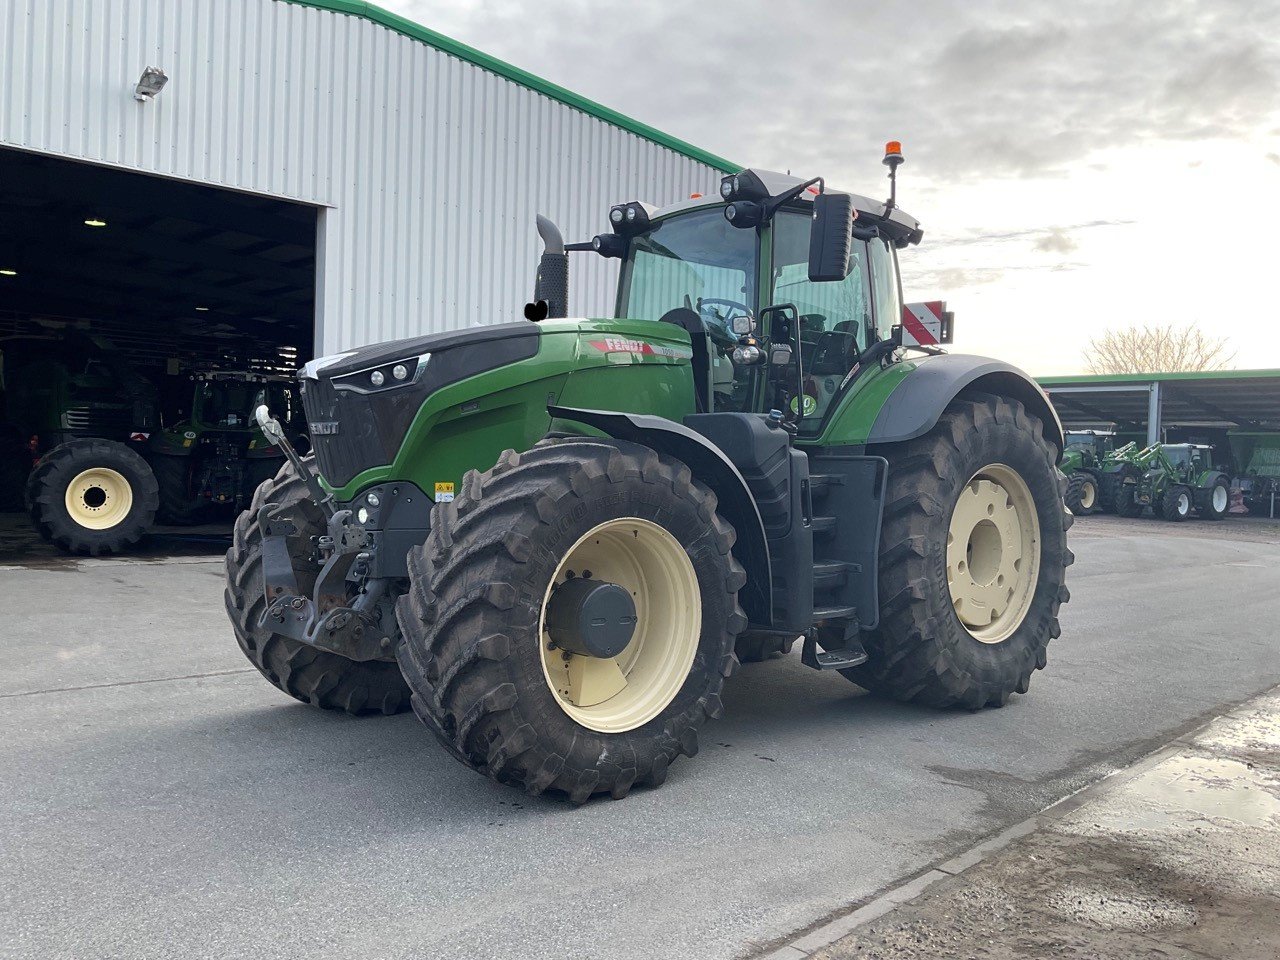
830	237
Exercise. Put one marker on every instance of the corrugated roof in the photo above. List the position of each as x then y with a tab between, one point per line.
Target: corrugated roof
416	31
1248	399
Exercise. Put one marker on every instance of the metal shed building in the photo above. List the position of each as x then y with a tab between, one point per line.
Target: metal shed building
405	166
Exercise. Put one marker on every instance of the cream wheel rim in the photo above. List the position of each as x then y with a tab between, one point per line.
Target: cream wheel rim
99	498
993	553
1088	494
1183	504
621	693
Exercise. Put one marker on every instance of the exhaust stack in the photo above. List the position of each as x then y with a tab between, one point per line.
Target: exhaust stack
551	289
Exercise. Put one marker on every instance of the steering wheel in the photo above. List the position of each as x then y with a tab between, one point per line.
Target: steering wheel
720	331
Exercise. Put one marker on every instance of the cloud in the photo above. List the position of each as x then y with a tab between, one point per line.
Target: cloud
986	88
1055	241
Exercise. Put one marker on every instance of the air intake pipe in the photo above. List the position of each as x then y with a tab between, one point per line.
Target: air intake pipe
552	285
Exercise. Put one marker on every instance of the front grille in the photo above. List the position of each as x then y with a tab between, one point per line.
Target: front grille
107	422
348	442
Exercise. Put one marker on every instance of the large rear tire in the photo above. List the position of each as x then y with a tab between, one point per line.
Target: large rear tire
487	675
92	497
317	677
973	558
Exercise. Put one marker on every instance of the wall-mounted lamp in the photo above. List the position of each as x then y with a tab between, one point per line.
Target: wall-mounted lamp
151	82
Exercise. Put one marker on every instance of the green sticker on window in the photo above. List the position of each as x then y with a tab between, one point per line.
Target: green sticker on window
810	405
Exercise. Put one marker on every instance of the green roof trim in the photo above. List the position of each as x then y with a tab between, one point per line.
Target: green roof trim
415	31
1106	379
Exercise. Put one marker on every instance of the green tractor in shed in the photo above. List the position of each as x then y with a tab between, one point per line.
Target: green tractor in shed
556	539
1172	479
1084	462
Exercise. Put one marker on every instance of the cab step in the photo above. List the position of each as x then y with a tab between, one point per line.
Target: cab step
851	654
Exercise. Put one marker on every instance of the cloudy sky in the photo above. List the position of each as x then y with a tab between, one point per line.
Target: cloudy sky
1078	166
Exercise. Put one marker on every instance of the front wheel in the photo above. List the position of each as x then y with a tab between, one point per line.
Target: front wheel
973	558
318	677
1175	505
571	618
1082	493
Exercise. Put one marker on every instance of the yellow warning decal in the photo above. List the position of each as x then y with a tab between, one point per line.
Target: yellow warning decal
444	493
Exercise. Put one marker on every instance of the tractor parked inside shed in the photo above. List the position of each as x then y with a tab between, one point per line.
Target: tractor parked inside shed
556	539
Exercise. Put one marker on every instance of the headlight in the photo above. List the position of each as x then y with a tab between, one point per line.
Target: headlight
362	515
385	376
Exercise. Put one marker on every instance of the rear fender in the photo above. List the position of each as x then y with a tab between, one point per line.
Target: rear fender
915	405
711	467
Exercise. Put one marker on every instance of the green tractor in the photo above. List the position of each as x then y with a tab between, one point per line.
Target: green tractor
76	411
105	469
556	539
1084	461
214	455
1171	478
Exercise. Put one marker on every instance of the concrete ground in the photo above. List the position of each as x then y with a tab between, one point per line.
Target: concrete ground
1177	857
162	799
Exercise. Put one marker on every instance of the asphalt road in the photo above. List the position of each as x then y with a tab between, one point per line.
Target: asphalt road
160	799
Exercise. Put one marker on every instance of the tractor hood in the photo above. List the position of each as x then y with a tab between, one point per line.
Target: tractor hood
359	404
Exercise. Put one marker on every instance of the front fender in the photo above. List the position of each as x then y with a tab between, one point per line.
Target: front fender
711	467
920	398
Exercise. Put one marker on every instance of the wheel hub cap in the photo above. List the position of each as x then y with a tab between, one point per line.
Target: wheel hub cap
619	674
98	498
993	553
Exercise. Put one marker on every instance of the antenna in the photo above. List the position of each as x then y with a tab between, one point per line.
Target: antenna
892	159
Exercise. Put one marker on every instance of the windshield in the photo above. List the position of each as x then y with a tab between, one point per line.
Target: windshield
698	261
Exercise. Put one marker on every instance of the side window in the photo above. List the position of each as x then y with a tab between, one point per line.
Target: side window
834	317
884	285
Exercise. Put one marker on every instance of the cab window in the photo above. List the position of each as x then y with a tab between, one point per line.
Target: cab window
833	317
884	282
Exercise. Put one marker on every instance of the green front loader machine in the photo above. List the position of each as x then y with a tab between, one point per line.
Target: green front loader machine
557	539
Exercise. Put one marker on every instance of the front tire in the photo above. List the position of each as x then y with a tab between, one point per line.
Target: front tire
177	505
1176	503
318	677
1082	493
92	497
475	644
974	515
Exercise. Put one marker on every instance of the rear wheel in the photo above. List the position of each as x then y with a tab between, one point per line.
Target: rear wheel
92	497
1175	505
1082	493
1212	502
973	558
571	618
317	677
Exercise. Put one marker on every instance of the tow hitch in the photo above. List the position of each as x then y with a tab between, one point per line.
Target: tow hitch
329	620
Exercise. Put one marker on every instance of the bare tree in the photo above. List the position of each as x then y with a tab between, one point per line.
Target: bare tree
1159	348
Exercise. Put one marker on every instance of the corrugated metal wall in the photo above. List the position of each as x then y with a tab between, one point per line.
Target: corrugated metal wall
430	168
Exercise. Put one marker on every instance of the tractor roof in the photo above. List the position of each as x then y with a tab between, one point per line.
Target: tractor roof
901	227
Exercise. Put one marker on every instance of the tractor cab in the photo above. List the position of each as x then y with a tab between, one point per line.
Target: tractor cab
743	271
